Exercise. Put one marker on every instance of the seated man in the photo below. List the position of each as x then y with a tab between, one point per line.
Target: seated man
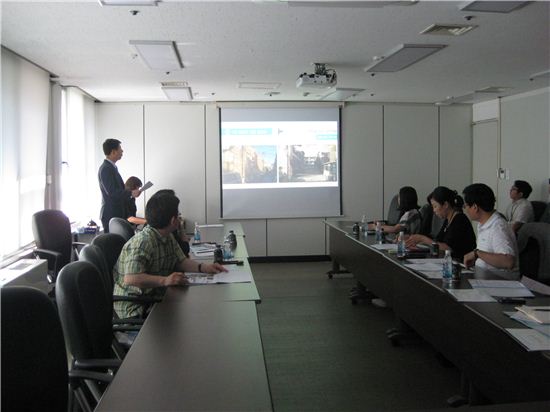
520	211
152	260
497	247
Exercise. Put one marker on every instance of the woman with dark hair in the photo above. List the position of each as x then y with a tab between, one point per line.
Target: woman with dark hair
410	220
133	183
457	233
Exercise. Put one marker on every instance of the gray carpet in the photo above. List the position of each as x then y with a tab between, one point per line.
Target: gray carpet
324	354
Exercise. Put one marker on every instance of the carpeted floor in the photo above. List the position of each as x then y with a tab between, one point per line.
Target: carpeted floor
324	354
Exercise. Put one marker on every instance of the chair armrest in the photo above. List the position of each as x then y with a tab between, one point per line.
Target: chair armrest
78	374
126	328
97	364
50	255
128	321
79	244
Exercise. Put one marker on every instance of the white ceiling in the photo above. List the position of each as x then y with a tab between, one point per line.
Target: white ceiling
224	43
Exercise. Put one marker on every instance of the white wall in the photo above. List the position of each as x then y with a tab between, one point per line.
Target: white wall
384	147
523	146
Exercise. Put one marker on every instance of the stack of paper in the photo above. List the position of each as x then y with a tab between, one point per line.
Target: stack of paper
540	314
203	250
234	274
502	288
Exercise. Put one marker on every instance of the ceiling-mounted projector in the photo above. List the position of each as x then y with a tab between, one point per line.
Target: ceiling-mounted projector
323	78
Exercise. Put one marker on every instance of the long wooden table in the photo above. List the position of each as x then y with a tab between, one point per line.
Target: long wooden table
200	349
471	335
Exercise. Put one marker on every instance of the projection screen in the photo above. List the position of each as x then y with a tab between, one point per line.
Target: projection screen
280	162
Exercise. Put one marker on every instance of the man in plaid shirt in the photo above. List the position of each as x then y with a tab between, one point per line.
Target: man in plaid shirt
152	259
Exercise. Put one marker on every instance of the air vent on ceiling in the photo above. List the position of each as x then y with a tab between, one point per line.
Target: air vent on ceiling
259	85
448	29
173	84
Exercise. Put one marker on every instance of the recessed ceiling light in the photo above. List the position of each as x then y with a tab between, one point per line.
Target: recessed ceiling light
493	6
341	94
158	55
129	2
403	56
181	94
259	85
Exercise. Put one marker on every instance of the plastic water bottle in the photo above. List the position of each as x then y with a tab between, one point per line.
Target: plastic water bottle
232	239
364	225
401	249
227	249
379	231
356	229
218	254
197	233
447	270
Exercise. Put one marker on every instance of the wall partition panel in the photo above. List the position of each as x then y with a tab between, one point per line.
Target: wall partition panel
122	121
410	149
256	236
212	127
295	237
175	155
362	161
455	142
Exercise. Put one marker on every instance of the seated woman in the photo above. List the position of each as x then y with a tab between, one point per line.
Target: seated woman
410	221
457	233
133	183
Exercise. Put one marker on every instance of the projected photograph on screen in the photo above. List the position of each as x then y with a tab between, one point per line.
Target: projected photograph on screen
279	154
280	162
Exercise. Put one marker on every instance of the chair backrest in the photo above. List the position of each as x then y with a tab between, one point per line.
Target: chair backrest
94	255
121	227
546	215
534	251
85	311
538	208
111	245
52	230
394	214
426	212
34	361
437	224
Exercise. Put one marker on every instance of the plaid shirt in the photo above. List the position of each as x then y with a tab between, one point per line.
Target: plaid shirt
146	252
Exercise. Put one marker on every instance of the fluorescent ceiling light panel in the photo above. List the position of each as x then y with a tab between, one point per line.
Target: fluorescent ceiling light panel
158	55
493	6
129	2
341	94
180	94
448	29
349	3
259	85
403	56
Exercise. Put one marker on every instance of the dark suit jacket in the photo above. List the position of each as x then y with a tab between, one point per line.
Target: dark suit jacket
113	194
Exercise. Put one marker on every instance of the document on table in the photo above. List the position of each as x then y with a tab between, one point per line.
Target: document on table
540	314
421	267
532	339
203	250
234	274
527	321
502	288
470	295
535	286
385	246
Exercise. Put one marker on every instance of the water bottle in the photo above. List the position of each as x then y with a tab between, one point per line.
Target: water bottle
379	232
197	233
218	254
447	270
227	250
401	249
355	229
364	225
232	239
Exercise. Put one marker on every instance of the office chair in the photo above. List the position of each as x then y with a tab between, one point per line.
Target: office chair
534	251
86	311
121	227
54	240
538	209
546	215
34	358
394	213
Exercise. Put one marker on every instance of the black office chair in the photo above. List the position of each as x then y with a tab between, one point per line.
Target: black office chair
54	240
86	311
546	215
34	359
121	227
534	251
538	209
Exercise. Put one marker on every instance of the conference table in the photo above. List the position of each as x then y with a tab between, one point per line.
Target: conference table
199	349
471	335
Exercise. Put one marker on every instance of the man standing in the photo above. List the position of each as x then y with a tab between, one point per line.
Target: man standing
113	193
152	259
497	248
520	211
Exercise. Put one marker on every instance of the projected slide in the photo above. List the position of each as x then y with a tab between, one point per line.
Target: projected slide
280	162
279	154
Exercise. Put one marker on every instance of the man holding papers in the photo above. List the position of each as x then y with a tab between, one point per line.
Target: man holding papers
113	192
152	260
497	248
